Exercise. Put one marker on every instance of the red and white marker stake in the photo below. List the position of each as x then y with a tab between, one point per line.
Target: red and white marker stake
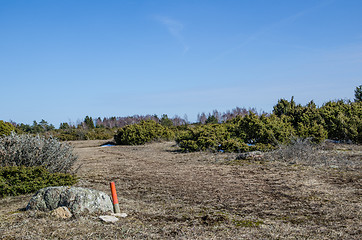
115	199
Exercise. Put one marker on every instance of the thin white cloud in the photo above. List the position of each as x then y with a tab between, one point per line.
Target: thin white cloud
175	29
270	27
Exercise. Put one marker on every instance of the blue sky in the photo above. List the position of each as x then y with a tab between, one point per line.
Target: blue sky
62	60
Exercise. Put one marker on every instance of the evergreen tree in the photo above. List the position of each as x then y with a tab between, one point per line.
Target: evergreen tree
211	120
64	126
88	121
165	121
358	94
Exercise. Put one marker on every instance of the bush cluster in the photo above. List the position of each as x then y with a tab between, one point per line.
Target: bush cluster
72	134
204	137
264	129
16	180
336	120
241	134
342	120
144	132
27	150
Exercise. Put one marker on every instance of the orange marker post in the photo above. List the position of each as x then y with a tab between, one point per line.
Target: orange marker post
115	199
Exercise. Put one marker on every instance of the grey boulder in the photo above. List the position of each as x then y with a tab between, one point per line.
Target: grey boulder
76	199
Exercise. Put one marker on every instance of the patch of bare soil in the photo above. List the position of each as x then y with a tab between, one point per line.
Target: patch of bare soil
173	195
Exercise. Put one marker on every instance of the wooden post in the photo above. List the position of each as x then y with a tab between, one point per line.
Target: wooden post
115	199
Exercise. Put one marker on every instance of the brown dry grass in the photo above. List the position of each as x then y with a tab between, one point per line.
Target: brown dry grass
173	195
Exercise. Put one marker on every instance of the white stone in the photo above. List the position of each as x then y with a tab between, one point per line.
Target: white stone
122	215
107	218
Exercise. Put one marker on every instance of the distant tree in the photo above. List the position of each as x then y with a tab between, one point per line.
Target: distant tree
201	118
217	115
37	128
64	126
358	94
46	127
88	121
211	120
311	104
24	128
186	118
165	121
178	121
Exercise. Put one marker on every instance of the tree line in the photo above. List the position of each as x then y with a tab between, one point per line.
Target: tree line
339	120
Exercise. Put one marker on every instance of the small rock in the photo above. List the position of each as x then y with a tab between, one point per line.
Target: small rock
122	215
256	155
61	212
107	218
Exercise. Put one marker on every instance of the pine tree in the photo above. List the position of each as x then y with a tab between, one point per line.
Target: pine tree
89	122
358	94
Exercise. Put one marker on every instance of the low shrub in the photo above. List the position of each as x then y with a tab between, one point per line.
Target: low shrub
241	134
17	180
72	134
216	138
69	135
99	134
264	129
306	152
27	150
144	132
203	137
338	120
343	120
299	150
6	128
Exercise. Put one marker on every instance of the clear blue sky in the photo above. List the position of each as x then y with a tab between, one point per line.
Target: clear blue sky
61	60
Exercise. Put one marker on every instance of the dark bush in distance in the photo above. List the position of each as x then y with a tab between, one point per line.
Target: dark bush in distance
264	129
27	150
144	132
338	120
204	137
343	120
215	137
21	180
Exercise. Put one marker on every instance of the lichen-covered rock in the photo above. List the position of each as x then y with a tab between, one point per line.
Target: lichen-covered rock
76	199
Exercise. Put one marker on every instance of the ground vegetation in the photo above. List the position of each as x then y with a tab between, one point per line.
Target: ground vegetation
169	194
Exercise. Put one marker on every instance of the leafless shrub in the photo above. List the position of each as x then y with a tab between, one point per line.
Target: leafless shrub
27	150
304	152
299	150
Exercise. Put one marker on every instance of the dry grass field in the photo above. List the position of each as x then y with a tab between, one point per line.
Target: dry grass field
172	195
